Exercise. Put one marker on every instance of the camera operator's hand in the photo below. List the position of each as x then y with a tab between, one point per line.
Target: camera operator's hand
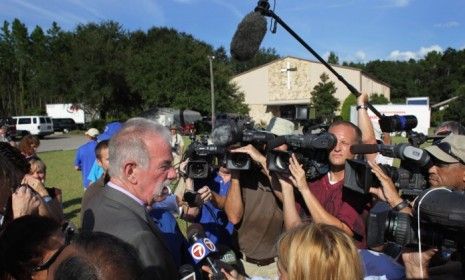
285	182
412	260
362	99
24	202
205	194
388	191
298	178
229	275
253	153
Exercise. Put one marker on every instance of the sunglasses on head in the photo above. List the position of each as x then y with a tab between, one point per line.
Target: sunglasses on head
446	148
46	265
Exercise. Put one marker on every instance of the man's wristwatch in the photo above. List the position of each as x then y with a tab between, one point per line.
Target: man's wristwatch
361	107
402	205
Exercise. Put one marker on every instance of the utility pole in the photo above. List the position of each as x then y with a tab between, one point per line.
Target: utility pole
212	86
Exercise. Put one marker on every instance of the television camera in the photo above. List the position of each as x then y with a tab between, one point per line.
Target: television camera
431	224
311	151
359	178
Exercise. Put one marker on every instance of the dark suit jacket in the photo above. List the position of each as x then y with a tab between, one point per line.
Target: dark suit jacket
113	212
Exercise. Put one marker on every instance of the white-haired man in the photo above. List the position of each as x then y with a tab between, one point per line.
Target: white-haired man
140	166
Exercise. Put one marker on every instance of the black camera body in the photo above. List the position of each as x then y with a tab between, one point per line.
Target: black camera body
201	156
311	150
409	178
230	134
436	225
359	178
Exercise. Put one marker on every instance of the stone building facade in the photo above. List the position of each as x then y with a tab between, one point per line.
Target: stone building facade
283	87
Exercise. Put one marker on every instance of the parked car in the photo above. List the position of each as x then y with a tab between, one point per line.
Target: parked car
10	123
64	125
35	125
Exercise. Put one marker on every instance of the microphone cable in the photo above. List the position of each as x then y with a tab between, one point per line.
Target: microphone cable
418	224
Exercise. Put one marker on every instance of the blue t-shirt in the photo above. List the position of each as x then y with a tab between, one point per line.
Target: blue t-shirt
161	214
214	221
380	266
95	172
85	157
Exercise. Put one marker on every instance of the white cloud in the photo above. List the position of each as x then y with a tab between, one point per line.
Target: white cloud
400	3
398	55
360	56
87	7
449	24
406	55
52	14
424	51
395	3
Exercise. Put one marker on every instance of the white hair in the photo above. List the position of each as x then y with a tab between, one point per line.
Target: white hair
129	144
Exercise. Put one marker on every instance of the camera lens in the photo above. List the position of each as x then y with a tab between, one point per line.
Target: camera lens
282	161
239	160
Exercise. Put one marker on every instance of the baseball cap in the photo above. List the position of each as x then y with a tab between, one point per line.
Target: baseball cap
110	129
450	149
279	126
92	132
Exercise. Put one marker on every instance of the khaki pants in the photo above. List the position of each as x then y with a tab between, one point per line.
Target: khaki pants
268	271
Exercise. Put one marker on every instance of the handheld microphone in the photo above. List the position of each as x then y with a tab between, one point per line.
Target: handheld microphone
202	248
401	151
248	37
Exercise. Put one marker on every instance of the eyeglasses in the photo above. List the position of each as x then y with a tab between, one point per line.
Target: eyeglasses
446	148
46	265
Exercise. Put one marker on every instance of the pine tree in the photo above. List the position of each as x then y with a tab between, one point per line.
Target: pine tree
323	99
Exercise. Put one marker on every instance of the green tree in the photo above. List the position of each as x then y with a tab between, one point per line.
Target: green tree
351	100
333	58
262	57
456	111
8	75
378	99
323	99
21	46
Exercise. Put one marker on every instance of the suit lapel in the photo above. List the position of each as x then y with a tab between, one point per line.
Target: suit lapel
140	211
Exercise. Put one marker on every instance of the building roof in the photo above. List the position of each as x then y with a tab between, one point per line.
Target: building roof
312	61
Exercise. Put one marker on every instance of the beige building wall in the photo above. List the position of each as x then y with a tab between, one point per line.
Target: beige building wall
374	87
290	81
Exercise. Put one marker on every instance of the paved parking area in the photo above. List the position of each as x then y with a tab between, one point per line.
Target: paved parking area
59	141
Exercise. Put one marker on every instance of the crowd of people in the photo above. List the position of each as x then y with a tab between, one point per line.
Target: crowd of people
264	224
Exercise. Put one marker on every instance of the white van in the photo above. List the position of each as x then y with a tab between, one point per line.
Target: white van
35	125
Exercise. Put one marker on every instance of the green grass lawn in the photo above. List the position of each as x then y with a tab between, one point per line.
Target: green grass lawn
61	174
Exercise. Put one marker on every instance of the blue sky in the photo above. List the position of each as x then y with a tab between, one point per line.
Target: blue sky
357	30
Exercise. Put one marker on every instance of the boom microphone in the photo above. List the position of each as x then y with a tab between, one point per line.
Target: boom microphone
248	37
402	151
